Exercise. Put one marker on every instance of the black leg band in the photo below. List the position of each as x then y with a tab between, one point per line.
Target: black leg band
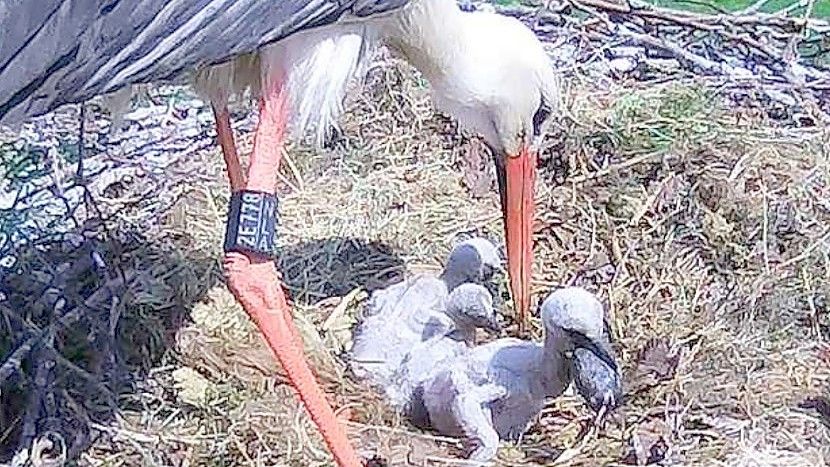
252	222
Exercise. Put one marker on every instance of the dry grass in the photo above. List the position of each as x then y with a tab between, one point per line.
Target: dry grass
700	225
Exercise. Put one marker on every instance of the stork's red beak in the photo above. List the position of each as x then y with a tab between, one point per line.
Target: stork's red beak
516	176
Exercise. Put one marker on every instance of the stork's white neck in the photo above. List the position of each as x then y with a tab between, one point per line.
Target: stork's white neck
427	33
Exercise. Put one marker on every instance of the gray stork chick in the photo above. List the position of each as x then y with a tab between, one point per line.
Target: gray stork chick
404	314
469	306
495	391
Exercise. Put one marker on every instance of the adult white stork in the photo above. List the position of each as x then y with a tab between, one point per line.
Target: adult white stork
488	71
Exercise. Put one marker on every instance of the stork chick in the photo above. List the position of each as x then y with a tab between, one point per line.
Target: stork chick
409	312
450	334
498	388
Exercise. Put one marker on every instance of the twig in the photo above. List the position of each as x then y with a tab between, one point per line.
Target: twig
709	5
70	317
711	23
765	227
62	361
80	414
289	160
613	168
807	251
674	49
35	331
42	384
79	171
15	359
111	319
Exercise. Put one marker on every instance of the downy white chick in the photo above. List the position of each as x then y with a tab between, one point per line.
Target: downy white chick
404	314
496	390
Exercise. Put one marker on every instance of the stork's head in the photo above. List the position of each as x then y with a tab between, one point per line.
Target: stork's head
573	318
516	91
471	306
471	261
492	74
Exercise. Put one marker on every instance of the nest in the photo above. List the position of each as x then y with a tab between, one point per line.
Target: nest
702	225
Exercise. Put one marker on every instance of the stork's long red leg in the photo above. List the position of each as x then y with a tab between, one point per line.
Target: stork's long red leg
254	280
225	134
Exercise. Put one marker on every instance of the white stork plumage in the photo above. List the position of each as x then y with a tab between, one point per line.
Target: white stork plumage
488	71
469	306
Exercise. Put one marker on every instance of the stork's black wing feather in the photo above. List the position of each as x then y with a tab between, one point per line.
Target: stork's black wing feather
54	52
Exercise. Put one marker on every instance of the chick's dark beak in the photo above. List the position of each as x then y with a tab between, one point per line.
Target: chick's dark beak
582	341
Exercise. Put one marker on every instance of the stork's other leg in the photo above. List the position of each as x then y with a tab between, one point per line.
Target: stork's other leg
253	278
224	132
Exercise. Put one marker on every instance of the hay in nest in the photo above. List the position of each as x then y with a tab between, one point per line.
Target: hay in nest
702	227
